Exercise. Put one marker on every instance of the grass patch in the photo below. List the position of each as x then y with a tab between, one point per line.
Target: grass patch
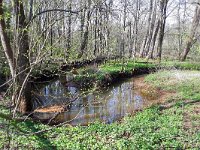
186	83
182	65
150	129
109	72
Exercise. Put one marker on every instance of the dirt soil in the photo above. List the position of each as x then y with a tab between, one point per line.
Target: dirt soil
151	94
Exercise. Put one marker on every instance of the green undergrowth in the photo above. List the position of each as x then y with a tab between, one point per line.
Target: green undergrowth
181	65
127	66
107	73
150	129
185	83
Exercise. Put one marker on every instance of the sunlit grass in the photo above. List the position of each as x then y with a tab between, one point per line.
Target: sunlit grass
186	83
108	72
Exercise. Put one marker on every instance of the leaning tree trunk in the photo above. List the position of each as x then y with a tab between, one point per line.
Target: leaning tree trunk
193	30
151	29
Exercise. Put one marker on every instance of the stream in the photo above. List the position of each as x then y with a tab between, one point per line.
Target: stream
108	105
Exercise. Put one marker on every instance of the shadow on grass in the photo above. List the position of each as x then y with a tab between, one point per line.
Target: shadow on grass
41	139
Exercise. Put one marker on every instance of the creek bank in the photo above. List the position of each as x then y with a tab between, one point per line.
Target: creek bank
108	74
53	70
105	76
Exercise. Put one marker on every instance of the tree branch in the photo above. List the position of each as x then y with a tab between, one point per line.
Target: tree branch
51	10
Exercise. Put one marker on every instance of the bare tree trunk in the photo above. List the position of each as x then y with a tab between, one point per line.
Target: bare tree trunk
124	29
162	17
130	40
147	32
101	46
84	41
69	30
95	32
152	46
151	28
179	30
135	42
107	36
23	56
25	104
30	10
6	43
82	20
193	30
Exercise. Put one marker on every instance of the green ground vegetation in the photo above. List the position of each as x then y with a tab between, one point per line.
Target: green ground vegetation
106	73
175	127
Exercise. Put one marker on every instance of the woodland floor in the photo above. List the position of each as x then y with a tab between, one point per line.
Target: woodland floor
171	123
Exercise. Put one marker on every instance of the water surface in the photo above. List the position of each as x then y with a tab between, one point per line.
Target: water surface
107	105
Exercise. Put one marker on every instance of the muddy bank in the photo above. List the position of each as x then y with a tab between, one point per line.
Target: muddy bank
153	94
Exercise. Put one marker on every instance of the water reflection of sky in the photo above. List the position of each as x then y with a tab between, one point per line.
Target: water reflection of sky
108	105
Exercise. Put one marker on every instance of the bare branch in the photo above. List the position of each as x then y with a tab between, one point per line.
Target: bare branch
52	10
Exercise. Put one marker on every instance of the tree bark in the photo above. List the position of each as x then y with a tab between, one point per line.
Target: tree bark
136	22
22	67
152	46
147	32
6	43
162	17
69	30
84	40
193	30
25	102
151	29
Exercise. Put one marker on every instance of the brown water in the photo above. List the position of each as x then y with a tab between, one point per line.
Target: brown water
108	105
